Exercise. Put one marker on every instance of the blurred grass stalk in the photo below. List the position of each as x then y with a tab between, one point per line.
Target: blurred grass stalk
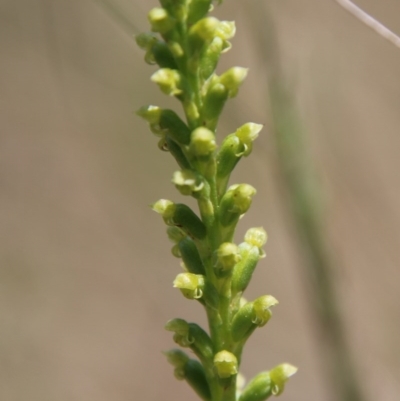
304	205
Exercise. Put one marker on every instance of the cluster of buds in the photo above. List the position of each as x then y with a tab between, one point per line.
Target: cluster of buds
186	44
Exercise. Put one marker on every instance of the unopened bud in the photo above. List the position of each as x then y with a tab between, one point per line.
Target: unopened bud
243	271
176	49
150	113
214	102
190	370
145	40
185	218
190	256
175	234
193	336
236	201
168	80
225	364
258	389
202	142
227	256
177	153
256	236
226	30
172	125
247	134
205	28
233	78
188	182
162	55
191	285
261	308
176	357
164	207
229	154
211	57
160	21
280	375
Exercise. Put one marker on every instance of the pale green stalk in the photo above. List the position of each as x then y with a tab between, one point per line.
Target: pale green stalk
187	43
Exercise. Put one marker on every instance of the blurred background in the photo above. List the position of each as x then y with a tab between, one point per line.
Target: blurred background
86	272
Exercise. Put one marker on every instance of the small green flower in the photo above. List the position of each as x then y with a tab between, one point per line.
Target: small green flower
168	80
188	182
227	256
280	375
160	21
233	78
202	143
256	236
261	308
191	285
225	364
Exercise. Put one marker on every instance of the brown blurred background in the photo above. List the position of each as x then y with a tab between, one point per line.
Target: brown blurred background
86	272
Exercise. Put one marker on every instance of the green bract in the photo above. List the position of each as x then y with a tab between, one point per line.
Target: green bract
187	43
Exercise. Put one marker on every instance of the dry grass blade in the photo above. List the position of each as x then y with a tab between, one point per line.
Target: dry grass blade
370	21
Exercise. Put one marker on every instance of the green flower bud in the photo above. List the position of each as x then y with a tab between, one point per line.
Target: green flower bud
204	29
195	376
242	323
252	315
188	182
202	142
261	309
175	234
164	207
176	357
145	40
229	154
168	80
193	336
162	143
177	153
160	21
185	218
247	134
236	201
210	58
233	78
163	56
175	251
150	113
177	214
176	49
191	371
191	285
174	127
181	329
211	296
214	102
241	276
280	375
258	389
197	10
256	236
227	256
226	30
190	256
226	364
